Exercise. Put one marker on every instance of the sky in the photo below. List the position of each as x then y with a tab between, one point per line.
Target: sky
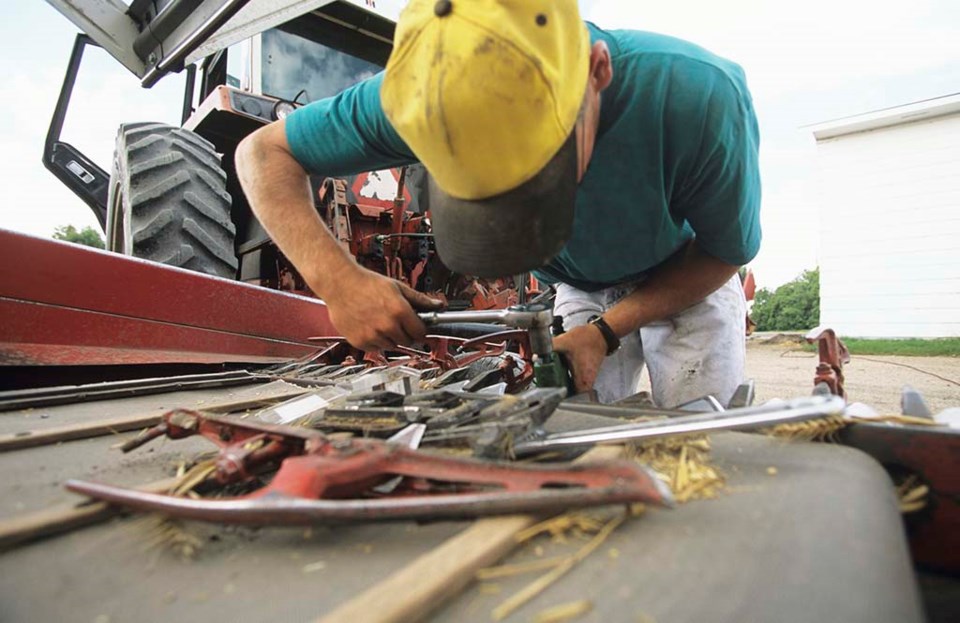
805	63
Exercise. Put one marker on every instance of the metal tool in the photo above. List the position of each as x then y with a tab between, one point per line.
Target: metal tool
325	480
537	319
733	419
494	428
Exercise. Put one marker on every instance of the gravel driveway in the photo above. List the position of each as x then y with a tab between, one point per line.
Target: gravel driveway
782	369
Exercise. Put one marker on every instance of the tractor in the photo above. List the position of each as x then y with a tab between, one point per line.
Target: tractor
172	194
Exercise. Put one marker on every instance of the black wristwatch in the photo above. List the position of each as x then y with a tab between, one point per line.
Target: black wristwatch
613	342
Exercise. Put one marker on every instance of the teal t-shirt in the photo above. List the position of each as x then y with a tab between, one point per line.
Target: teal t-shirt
676	157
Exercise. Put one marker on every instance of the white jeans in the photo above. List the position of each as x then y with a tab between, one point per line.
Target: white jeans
696	352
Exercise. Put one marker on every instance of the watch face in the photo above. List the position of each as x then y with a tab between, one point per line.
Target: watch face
282	108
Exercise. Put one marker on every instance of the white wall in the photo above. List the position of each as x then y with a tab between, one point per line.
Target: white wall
890	230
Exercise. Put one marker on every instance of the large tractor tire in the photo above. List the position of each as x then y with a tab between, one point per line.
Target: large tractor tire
168	201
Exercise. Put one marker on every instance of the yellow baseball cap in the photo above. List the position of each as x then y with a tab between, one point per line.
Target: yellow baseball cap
486	93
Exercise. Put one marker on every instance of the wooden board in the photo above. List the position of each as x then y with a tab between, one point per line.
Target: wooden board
98	428
426	583
65	517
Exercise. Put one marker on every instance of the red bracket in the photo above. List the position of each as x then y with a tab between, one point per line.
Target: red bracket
833	354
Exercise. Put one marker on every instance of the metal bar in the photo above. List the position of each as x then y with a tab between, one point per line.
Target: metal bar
283	510
766	415
48	396
77	172
69	81
176	57
188	94
486	316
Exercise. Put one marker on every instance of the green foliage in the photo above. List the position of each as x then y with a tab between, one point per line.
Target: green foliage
791	307
87	236
912	347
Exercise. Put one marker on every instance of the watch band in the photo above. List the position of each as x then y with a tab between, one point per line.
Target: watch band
613	342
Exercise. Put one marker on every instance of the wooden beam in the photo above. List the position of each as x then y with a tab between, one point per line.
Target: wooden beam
31	438
32	526
414	591
99	428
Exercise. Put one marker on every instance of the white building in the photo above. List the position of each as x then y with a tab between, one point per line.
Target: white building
890	221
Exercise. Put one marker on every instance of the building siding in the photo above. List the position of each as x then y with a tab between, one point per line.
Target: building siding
890	230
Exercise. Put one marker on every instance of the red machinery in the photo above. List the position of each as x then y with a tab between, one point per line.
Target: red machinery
65	304
393	241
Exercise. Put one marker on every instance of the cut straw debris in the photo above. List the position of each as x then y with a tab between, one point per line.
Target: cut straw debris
170	534
682	463
820	429
908	420
505	571
825	428
533	589
564	612
912	495
193	477
558	526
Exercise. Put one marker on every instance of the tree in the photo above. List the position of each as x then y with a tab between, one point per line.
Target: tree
791	307
87	236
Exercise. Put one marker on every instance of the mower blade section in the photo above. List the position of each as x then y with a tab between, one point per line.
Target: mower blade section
796	410
279	509
410	437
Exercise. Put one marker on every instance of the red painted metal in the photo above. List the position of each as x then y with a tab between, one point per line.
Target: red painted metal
933	454
749	285
833	354
315	470
65	304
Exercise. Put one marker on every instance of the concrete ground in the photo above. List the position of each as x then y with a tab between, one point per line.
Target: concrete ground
110	572
781	368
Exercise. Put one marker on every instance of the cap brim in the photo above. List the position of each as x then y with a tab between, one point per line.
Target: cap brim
511	233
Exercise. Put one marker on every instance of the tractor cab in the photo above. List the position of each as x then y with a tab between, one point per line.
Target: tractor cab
172	193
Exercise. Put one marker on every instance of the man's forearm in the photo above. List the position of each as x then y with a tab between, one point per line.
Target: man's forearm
278	190
683	281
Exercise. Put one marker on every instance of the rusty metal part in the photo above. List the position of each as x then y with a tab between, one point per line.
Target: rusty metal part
833	354
324	480
443	353
389	239
246	447
933	454
76	305
734	419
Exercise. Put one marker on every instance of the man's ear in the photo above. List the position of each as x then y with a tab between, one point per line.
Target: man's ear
601	68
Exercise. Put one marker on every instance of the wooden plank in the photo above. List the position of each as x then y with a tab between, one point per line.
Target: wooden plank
51	521
414	591
99	428
31	438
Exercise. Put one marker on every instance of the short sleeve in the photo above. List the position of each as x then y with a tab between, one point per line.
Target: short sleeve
720	198
347	134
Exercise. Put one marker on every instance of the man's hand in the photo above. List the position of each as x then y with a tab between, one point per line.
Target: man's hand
585	349
370	310
374	312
